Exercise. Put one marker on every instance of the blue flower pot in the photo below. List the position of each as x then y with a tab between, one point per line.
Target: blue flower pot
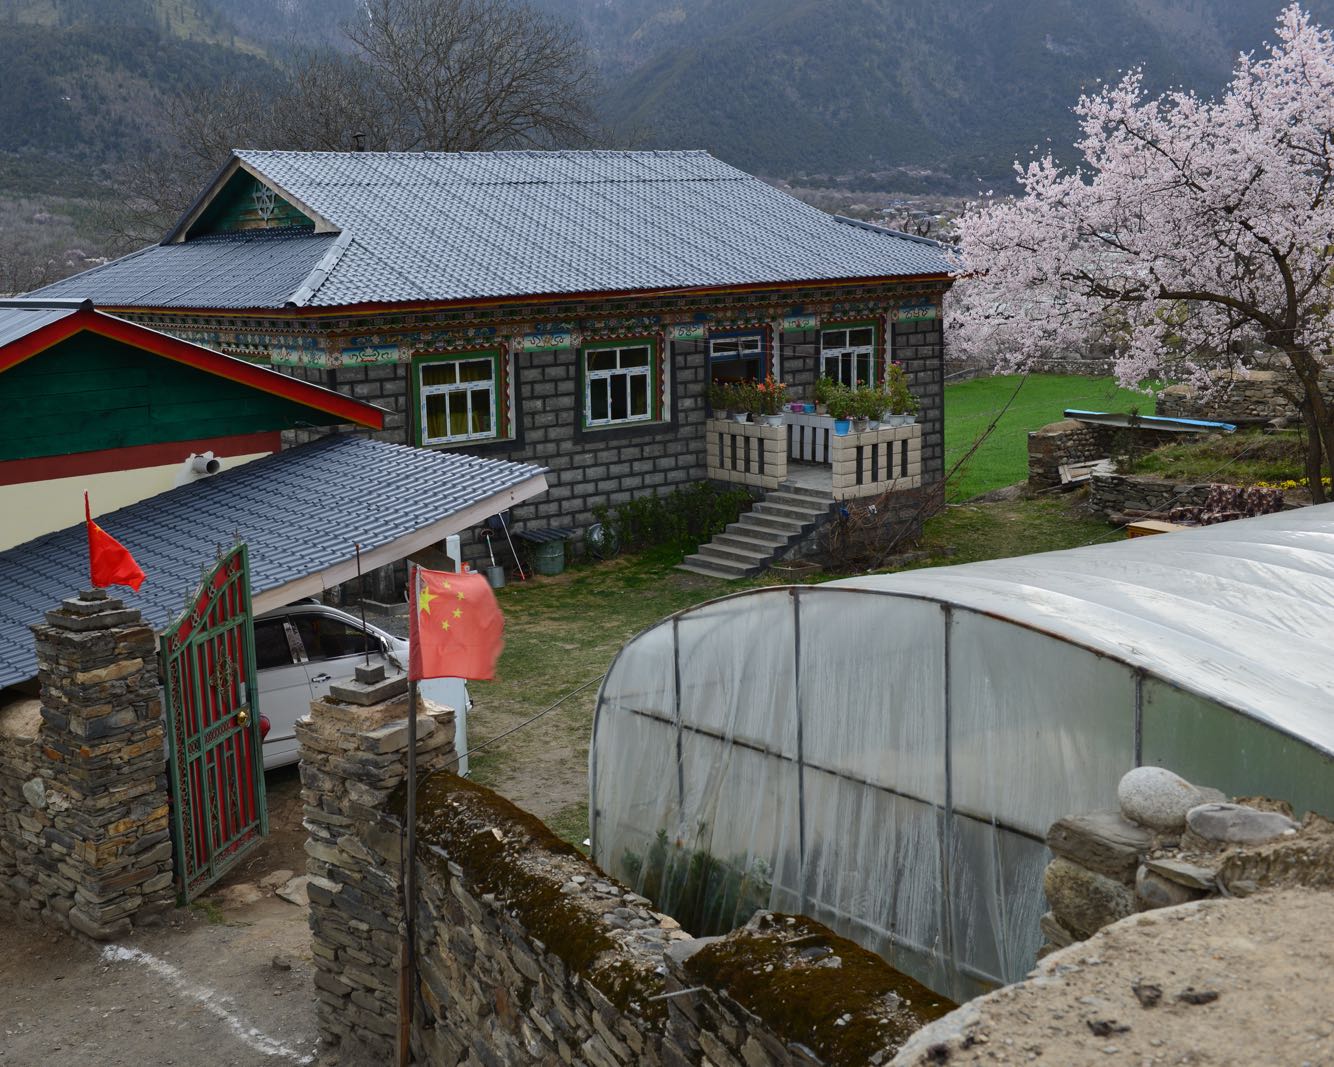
808	408
842	426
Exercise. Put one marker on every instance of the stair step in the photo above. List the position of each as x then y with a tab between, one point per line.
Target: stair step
712	569
743	554
782	523
752	539
797	513
812	504
792	489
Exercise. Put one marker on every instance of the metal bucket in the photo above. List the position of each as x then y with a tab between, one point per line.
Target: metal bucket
549	557
496	576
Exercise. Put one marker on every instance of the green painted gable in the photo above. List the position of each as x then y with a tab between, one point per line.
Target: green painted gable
89	393
245	203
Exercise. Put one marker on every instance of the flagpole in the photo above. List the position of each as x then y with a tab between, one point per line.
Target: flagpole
407	989
407	966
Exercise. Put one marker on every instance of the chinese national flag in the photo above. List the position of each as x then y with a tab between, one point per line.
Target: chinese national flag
108	561
457	630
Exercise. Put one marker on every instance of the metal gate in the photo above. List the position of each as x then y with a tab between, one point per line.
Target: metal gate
215	752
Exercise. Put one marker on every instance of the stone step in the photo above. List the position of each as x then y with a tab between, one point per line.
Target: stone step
805	491
814	505
782	509
747	555
697	564
769	521
753	538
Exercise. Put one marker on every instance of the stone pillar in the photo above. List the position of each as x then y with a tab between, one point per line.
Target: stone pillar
103	857
353	757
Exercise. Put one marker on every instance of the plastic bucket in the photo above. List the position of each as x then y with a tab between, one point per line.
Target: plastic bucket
549	557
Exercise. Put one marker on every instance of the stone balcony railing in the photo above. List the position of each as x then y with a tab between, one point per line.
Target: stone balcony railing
746	453
886	459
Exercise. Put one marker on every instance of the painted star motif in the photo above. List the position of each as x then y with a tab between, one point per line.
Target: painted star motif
460	596
458	614
424	598
444	624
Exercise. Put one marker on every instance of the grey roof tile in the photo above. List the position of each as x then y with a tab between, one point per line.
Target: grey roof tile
459	226
300	511
17	322
256	269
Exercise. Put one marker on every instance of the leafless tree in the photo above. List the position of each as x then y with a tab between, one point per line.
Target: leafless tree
472	75
441	75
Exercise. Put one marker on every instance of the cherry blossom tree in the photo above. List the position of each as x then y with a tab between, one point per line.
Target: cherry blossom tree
1192	229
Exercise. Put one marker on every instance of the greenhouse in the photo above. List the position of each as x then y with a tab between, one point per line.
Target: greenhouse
886	753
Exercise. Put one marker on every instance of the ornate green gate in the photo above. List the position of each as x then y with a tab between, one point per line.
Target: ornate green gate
214	747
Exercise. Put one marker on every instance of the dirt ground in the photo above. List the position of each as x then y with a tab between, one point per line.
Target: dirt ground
1219	983
227	980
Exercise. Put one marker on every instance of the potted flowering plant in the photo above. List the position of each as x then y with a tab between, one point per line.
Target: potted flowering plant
902	406
722	397
771	397
841	404
746	403
825	388
868	403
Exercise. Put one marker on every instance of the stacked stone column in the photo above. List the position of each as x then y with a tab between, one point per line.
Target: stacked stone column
353	756
97	839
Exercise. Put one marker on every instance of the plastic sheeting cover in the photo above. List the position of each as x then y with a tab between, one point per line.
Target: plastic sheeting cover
885	753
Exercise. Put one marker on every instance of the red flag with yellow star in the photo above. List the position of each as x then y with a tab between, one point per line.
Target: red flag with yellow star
456	628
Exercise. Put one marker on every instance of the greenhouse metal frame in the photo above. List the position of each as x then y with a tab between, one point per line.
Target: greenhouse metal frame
886	753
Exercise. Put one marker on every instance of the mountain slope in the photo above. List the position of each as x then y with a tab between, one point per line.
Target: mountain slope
926	90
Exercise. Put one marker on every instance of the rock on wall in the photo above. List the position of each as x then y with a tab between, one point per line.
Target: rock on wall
1114	495
1259	394
1171	842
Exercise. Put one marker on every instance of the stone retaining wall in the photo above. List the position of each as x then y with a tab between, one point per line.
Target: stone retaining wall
1071	441
1170	842
529	954
84	838
1113	494
1259	394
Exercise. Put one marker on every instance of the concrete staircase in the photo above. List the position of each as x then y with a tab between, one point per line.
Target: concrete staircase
784	517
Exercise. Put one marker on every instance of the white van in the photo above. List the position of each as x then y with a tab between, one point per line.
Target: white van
303	648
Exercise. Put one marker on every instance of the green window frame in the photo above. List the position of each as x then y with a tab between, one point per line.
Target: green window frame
620	383
457	397
848	352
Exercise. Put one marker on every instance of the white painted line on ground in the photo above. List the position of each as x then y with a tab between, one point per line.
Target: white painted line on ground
210	1000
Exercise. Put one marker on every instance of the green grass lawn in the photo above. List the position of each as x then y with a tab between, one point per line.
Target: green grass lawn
1237	459
564	631
1003	458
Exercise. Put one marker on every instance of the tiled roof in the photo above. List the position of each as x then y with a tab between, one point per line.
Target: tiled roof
433	226
300	511
251	269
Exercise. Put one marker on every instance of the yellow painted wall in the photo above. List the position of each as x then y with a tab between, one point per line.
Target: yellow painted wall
31	509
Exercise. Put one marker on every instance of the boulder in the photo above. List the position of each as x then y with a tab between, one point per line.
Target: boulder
1155	891
1157	798
1236	824
1082	901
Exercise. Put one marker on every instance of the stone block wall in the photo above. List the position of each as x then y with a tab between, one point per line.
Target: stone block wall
353	756
746	453
529	954
1071	441
1170	842
84	838
870	464
1259	394
1125	495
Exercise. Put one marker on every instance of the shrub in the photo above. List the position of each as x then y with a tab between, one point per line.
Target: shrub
682	519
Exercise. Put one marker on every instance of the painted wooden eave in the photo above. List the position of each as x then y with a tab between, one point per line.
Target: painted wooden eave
89	320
